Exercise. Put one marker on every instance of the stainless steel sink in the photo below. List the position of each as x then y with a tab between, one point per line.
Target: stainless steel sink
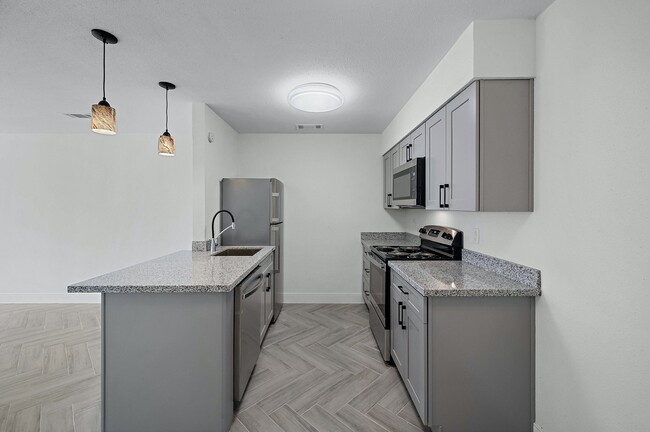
238	252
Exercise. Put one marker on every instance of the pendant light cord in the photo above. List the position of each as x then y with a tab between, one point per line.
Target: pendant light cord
166	109
104	73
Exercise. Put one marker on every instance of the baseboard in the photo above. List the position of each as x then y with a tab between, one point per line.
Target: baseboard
49	298
537	428
322	298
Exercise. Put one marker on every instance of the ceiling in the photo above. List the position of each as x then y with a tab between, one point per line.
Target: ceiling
241	57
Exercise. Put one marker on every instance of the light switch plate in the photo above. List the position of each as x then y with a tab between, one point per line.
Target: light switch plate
477	235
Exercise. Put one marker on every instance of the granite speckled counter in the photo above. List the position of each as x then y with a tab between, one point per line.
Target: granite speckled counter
180	272
460	279
389	239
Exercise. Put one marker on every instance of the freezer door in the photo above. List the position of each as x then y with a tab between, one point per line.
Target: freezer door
249	200
278	261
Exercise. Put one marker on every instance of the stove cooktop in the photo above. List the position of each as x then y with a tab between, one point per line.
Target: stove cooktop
405	253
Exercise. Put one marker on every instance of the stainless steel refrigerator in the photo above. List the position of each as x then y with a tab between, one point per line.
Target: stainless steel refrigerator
257	205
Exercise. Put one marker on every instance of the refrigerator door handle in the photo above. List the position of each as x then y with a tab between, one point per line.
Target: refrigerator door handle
275	230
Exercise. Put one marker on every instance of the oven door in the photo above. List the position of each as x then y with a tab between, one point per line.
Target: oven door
408	184
378	288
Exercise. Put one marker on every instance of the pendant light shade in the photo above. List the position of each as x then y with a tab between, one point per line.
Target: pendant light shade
103	119
166	142
166	145
103	115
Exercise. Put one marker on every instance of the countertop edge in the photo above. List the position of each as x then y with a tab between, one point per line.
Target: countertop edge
525	291
83	288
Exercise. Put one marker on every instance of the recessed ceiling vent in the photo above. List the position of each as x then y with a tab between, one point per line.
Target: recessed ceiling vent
80	116
309	127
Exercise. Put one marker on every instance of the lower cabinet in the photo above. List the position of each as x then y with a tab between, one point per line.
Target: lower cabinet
409	341
365	276
467	362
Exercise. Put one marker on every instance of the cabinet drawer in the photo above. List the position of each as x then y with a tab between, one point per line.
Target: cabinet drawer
415	301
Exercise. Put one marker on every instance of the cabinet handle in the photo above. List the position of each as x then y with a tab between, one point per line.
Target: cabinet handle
389	198
410	152
403	309
268	287
402	290
442	203
446	203
399	314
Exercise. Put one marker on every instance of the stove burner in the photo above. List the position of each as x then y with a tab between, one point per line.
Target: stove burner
410	249
399	254
385	249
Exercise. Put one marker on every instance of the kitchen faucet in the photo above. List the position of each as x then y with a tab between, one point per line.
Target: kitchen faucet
214	240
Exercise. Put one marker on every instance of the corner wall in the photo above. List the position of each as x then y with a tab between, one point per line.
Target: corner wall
212	161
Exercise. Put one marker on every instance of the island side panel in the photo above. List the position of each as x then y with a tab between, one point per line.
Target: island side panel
167	362
481	363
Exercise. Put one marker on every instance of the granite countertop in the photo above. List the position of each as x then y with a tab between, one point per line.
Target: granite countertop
458	279
389	239
180	272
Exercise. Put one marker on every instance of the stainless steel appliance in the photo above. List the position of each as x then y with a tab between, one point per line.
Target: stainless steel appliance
409	184
257	206
436	243
248	321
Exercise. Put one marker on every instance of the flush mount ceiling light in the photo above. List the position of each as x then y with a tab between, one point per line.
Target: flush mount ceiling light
316	97
166	142
103	115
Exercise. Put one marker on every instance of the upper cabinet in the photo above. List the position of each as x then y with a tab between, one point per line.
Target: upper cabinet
478	149
413	146
391	161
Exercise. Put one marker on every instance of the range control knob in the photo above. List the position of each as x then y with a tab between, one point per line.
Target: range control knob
423	231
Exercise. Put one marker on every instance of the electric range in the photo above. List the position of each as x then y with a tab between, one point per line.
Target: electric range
437	243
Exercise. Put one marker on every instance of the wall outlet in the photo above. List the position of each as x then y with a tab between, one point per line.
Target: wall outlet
477	235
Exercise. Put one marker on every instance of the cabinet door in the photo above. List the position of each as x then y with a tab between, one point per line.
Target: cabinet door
388	180
462	151
416	380
417	143
398	340
436	159
404	147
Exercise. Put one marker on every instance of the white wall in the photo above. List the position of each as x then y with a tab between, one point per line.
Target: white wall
332	186
212	162
486	49
75	206
589	232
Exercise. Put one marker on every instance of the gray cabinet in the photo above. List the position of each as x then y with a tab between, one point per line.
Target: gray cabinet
436	159
413	146
391	161
409	340
398	334
404	147
479	149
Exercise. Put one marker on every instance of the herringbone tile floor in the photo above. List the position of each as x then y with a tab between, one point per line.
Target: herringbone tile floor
319	370
49	368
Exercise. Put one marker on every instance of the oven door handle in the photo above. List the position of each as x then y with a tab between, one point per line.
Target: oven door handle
373	260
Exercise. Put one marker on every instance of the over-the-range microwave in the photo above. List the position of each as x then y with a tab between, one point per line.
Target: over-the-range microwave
409	183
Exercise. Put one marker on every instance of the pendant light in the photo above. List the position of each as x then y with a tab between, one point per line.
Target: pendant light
103	115
166	142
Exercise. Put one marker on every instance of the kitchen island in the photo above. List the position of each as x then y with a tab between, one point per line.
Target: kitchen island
167	341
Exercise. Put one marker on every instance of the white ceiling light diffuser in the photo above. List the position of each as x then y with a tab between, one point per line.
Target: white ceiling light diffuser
316	97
